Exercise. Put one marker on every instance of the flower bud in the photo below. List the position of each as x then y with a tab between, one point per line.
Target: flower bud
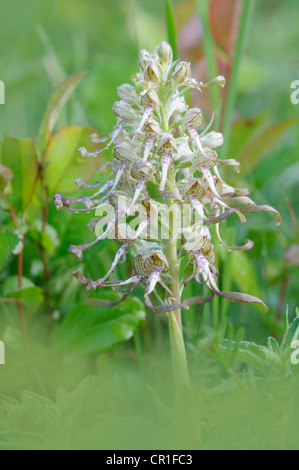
152	127
164	52
151	73
193	117
181	72
124	152
141	170
212	140
127	92
196	189
144	58
157	259
219	80
150	98
142	87
120	199
123	111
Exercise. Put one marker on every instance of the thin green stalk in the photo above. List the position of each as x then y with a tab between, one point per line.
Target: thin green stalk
178	352
171	28
245	19
209	46
19	303
177	345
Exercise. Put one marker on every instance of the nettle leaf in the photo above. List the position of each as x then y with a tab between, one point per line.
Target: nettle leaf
29	294
291	334
64	163
6	176
251	353
92	330
273	345
55	104
262	143
8	242
21	157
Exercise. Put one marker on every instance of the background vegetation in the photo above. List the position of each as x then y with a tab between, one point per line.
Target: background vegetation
77	376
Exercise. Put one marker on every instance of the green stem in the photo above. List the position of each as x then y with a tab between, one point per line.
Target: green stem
177	345
20	276
246	15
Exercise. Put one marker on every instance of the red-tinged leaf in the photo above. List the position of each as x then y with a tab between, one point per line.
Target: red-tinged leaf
223	22
64	163
244	129
262	143
21	157
6	176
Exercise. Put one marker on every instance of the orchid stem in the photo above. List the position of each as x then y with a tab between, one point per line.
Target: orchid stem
177	345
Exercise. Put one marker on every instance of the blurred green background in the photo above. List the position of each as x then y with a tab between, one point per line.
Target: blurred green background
43	42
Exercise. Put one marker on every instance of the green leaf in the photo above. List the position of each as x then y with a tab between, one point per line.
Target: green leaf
29	294
263	143
64	163
55	104
10	285
8	242
20	156
6	176
251	353
48	238
273	345
291	334
91	330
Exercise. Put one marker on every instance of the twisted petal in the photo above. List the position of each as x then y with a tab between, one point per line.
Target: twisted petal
155	278
240	297
262	208
247	246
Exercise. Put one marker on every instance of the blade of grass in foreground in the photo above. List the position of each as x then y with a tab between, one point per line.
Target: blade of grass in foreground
171	28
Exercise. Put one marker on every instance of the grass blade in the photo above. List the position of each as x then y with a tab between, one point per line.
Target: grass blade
171	28
208	44
245	19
